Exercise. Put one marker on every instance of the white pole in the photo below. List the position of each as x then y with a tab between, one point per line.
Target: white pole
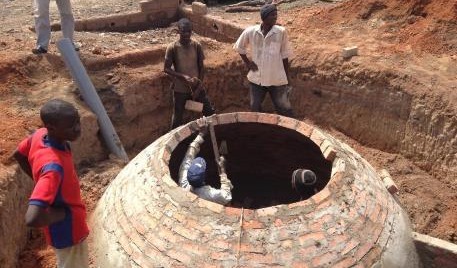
91	97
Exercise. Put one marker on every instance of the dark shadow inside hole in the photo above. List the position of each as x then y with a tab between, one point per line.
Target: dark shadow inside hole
260	162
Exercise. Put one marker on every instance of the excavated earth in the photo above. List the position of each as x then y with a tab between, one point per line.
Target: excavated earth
395	103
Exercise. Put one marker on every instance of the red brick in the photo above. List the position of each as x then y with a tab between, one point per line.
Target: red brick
309	252
268	119
190	234
317	137
311	237
269	211
372	256
350	246
184	132
337	240
167	235
325	260
317	226
141	259
252	248
247	117
209	265
124	242
253	224
361	251
278	223
179	217
156	241
324	205
303	203
287	122
304	129
229	118
230	211
123	221
210	205
359	265
287	244
179	256
137	239
221	244
321	196
348	262
299	265
139	226
222	256
375	213
257	258
199	250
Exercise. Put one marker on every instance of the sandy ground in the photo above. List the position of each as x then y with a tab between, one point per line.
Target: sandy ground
421	44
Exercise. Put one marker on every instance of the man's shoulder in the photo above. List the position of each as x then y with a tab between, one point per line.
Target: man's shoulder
195	42
172	44
252	28
279	28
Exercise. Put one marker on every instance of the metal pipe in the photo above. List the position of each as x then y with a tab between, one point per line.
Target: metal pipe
91	98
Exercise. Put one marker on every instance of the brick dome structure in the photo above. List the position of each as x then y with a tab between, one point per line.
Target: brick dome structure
145	220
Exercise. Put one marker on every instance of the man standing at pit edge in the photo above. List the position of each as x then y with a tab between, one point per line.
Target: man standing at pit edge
269	67
43	25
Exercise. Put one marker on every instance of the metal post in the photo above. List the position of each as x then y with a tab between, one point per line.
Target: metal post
91	97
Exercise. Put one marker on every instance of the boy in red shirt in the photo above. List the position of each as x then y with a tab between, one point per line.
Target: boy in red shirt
55	203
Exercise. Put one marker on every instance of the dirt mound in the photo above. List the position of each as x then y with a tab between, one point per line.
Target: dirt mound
397	9
425	25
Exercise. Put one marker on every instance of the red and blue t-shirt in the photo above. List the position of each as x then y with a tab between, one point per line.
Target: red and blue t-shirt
56	185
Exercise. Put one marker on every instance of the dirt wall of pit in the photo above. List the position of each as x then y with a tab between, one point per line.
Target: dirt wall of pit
371	106
14	191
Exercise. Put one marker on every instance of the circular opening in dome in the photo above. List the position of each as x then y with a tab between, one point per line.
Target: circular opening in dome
260	161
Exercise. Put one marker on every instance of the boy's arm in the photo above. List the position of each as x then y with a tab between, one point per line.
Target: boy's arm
37	216
23	162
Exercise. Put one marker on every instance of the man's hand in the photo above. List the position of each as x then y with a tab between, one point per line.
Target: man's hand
221	163
252	66
202	124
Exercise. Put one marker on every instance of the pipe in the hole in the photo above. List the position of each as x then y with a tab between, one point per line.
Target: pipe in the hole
91	97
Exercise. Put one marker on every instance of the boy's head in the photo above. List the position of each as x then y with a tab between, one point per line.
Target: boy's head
303	179
61	119
269	14
196	172
185	30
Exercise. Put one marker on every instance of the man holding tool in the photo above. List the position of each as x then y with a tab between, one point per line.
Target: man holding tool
186	56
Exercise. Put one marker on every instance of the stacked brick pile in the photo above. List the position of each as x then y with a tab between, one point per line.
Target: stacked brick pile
145	220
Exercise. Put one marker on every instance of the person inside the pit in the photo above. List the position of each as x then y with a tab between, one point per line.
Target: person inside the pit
192	172
43	26
55	203
303	182
186	57
269	64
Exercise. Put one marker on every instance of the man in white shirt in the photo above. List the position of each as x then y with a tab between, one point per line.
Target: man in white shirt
192	172
269	66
